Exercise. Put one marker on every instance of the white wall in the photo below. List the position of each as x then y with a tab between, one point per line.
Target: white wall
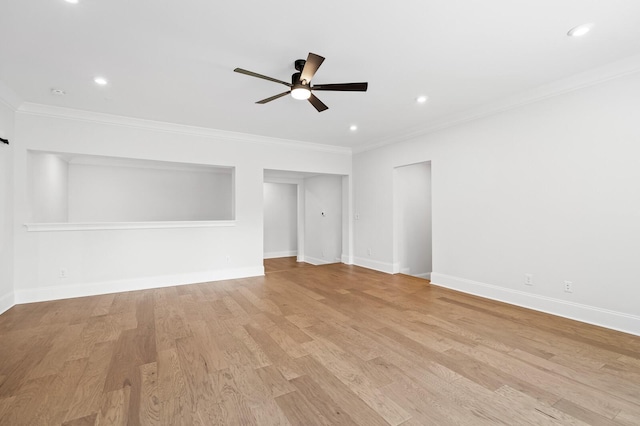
280	220
116	260
136	194
413	220
549	188
48	187
323	233
6	208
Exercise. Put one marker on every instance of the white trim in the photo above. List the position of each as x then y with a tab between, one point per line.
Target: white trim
374	264
407	271
317	262
139	123
347	260
43	294
6	302
589	314
624	67
276	254
99	226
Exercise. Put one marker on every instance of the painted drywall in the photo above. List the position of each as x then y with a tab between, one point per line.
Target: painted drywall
323	219
137	194
116	260
48	184
280	220
413	219
549	189
6	208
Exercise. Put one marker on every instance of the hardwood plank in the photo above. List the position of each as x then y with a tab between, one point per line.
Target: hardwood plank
149	398
275	381
322	402
115	408
83	421
300	411
86	399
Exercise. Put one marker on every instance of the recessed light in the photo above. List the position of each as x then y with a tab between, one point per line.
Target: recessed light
580	30
422	99
353	127
72	1
101	81
58	92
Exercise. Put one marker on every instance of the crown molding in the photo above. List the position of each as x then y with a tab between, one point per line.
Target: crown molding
614	70
139	123
9	98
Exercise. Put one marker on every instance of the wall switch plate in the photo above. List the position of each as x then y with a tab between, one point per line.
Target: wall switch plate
63	273
528	279
568	287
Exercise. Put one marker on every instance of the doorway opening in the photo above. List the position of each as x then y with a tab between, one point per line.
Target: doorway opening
412	220
306	216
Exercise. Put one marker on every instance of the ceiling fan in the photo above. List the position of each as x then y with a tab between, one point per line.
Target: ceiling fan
300	86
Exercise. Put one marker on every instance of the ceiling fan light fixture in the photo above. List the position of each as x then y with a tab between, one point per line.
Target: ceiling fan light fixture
300	93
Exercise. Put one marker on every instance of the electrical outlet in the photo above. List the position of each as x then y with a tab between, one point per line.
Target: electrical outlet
63	273
568	287
357	216
528	279
228	259
369	251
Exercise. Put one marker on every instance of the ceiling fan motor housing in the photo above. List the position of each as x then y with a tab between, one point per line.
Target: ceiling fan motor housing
299	64
295	79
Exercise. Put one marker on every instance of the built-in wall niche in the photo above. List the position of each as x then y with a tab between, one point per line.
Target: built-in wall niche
79	189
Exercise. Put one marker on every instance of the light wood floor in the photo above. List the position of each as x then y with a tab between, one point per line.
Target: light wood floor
327	345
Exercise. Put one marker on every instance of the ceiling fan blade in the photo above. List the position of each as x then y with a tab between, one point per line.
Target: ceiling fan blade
311	66
317	103
264	77
273	98
343	87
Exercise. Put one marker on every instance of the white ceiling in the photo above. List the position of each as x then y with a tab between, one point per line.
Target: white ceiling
173	61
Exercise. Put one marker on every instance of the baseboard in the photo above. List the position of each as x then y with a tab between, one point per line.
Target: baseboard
43	294
316	261
389	268
346	259
276	254
407	271
6	302
589	314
